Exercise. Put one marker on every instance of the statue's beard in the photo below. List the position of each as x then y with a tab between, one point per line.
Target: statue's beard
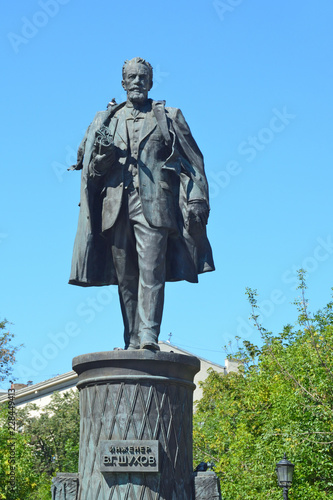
137	95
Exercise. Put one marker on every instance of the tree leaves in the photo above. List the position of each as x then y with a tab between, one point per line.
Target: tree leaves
7	351
47	443
280	402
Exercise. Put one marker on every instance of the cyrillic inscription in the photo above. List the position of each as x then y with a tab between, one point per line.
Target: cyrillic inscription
129	456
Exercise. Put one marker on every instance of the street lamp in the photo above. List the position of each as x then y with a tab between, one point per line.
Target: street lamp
284	470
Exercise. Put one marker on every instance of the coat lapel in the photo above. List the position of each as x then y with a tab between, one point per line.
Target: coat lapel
113	125
119	130
149	124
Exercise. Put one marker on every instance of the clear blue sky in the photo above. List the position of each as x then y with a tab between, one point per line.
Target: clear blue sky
254	80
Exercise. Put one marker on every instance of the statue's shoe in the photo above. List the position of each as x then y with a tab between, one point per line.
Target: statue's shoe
149	340
151	346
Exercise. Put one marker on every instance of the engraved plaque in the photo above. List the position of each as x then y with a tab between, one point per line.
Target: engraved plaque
129	456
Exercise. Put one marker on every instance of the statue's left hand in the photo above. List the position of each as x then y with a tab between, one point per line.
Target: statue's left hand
197	216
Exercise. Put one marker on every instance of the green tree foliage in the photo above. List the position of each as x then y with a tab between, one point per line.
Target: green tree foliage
29	482
55	432
280	401
47	442
7	351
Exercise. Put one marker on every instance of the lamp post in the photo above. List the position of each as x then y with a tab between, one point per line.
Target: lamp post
284	470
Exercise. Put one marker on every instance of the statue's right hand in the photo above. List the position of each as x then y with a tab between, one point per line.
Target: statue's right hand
100	163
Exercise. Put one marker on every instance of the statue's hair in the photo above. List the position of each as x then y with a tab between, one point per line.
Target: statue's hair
139	60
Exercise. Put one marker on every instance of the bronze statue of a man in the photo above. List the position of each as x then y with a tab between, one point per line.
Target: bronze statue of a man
144	205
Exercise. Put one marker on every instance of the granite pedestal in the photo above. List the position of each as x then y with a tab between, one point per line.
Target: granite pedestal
136	425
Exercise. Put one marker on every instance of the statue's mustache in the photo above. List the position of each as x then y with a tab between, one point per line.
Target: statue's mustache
137	88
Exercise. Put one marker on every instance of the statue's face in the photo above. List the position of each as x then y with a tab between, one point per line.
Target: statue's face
136	83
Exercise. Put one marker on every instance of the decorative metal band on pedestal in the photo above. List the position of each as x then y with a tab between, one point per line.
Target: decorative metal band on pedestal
136	425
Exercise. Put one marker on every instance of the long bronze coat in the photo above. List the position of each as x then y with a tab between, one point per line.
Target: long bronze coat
170	173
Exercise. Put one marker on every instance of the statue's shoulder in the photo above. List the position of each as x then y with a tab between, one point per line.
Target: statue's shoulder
101	115
112	108
171	112
97	121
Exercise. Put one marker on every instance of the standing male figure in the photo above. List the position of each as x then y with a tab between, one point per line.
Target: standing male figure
144	205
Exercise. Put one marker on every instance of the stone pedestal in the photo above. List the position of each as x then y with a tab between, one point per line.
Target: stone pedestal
136	425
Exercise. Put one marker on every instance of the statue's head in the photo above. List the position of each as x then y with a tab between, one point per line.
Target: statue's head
137	79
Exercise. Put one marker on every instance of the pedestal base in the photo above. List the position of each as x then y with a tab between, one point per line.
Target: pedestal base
136	425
